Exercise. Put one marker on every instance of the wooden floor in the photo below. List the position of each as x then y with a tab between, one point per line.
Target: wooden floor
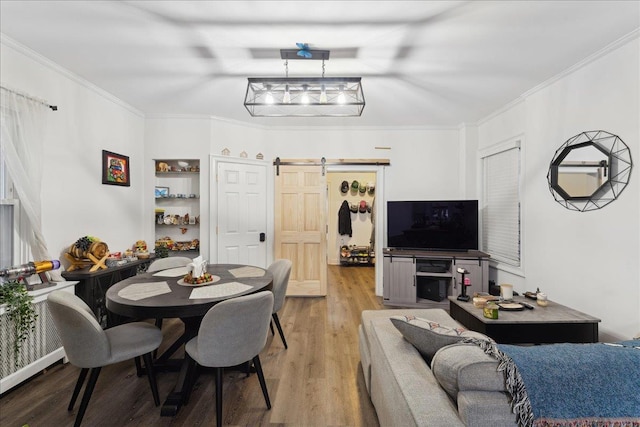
318	381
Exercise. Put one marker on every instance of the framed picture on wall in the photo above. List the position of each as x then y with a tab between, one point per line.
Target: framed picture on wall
115	169
162	192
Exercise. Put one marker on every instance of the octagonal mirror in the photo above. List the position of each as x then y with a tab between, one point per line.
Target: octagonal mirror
589	171
581	171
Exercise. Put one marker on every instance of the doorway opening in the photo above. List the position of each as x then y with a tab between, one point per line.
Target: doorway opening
351	236
351	219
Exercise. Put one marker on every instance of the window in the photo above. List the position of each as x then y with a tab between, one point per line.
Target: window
23	123
501	214
14	227
10	247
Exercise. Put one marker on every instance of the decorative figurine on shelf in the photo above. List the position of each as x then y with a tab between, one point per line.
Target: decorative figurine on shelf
140	246
243	154
464	282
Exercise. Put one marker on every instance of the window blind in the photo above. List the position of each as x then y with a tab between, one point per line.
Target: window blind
501	206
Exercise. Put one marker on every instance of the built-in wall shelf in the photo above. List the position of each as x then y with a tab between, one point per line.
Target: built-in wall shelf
177	204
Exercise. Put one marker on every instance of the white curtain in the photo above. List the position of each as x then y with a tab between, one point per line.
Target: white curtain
23	121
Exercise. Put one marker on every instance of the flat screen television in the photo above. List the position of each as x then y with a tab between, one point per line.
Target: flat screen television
447	225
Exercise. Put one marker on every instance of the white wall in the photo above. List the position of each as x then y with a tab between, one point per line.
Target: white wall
423	161
75	203
586	260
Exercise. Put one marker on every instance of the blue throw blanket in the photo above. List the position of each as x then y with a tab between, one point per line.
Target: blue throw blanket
571	384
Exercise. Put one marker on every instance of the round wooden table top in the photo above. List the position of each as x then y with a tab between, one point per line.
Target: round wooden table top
178	303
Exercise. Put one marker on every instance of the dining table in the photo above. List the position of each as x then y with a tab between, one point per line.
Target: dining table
165	294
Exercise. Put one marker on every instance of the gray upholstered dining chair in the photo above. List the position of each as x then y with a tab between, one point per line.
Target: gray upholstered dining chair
89	347
169	262
281	270
231	333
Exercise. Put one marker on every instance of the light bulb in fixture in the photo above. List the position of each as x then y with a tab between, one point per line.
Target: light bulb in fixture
341	97
323	95
286	98
305	96
268	99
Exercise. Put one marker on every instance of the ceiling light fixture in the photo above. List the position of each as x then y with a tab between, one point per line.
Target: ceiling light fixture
304	96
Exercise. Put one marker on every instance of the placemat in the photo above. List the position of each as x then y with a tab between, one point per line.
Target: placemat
247	271
138	291
219	291
172	272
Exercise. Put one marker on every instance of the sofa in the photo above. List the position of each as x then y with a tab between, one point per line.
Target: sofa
421	368
461	387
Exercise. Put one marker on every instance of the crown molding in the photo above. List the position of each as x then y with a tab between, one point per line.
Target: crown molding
635	34
588	60
365	128
241	123
31	54
234	122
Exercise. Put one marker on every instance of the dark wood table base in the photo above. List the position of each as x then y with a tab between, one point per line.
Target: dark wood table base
176	397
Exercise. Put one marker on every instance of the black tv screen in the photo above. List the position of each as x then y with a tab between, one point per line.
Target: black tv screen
433	225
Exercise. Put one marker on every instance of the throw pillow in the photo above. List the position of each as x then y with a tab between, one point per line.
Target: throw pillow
428	336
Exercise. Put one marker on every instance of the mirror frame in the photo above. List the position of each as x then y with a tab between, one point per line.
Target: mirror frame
618	169
557	163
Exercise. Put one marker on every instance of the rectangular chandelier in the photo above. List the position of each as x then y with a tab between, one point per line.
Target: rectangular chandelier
304	97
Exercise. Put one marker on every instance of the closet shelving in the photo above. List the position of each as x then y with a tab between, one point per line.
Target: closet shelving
357	255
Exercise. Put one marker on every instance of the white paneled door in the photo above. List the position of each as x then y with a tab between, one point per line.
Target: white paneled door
241	213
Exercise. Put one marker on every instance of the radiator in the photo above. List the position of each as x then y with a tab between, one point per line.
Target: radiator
42	347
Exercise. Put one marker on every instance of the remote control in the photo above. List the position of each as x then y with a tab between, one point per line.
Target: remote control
527	305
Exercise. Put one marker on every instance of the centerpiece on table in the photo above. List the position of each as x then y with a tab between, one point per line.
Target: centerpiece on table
197	272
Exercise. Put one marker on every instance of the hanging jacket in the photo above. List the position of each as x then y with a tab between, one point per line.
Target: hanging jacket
344	219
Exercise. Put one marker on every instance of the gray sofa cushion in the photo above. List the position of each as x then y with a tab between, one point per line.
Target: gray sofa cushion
485	409
369	316
403	389
428	336
461	367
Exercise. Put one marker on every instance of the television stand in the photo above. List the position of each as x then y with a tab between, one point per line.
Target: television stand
421	278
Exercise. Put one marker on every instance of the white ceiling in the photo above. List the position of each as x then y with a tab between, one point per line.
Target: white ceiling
423	63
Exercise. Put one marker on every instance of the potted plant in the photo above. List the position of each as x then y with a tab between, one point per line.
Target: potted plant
19	311
161	250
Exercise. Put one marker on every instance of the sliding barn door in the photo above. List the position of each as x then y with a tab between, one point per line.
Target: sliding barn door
300	227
